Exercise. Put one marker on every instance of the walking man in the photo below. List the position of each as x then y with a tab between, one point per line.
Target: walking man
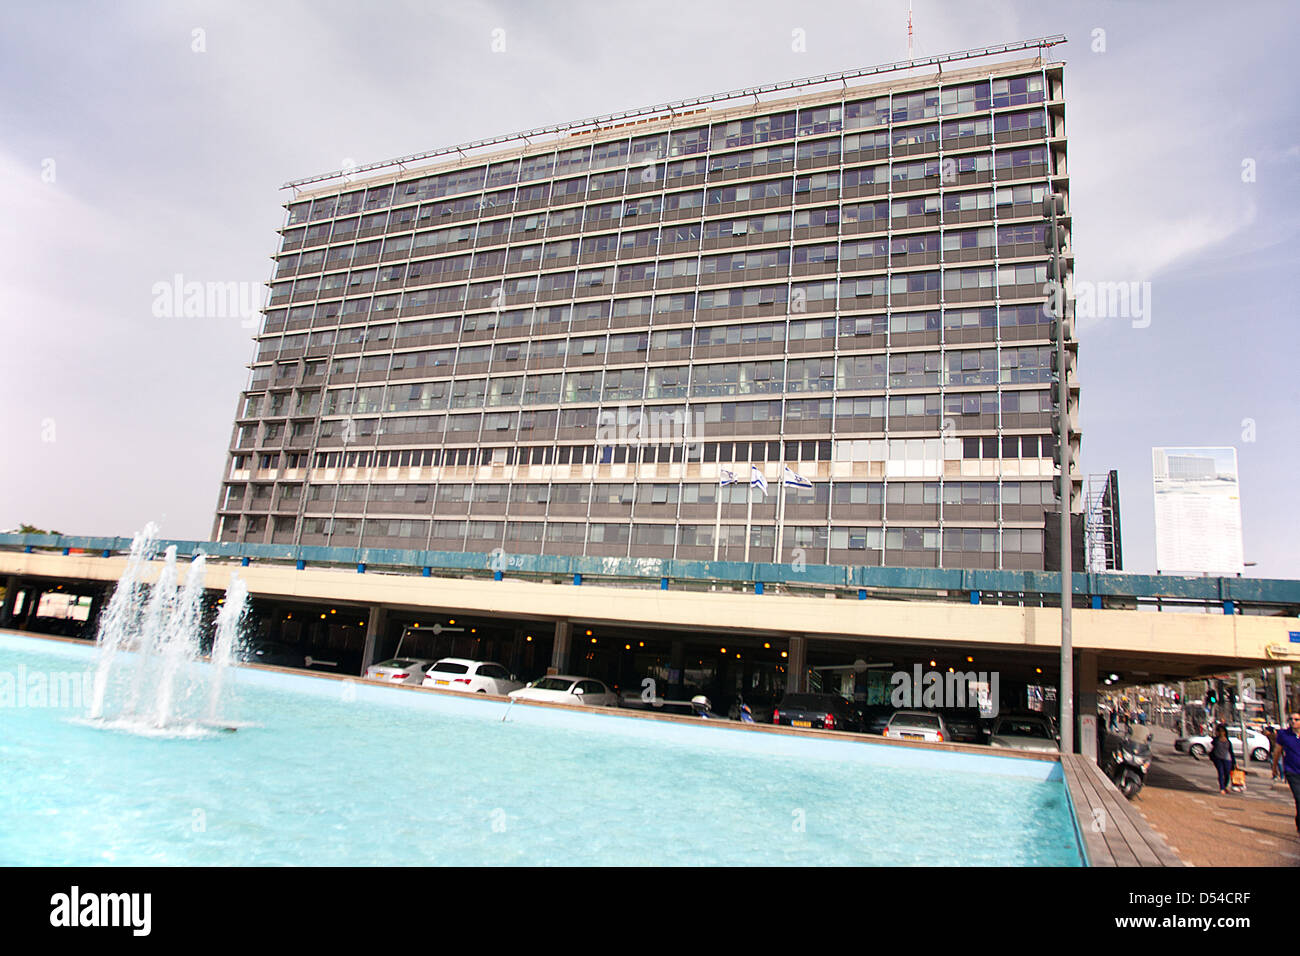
1288	750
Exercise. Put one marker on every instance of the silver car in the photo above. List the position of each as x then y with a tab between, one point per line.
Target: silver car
399	670
1029	733
568	689
917	725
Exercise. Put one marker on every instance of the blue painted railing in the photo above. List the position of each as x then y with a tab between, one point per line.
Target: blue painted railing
1281	593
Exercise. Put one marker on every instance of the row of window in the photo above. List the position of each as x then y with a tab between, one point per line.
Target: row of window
845	414
848	294
847	255
1025	365
530	322
690	448
903	172
954	540
801	296
646	150
529	230
581	493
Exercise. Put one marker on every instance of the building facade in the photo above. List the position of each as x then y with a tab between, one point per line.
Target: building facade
572	346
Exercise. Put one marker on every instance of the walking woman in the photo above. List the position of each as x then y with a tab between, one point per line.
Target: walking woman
1224	760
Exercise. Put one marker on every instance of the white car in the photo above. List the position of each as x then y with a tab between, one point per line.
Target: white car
471	677
1033	734
1201	745
399	670
917	725
566	689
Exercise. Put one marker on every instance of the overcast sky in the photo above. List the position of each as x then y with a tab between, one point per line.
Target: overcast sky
128	156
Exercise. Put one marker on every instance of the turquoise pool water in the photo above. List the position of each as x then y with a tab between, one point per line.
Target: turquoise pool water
323	772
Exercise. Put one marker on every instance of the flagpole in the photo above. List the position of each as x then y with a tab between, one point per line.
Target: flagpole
749	509
780	518
717	522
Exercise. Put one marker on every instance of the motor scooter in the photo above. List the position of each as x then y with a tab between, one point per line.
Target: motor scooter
1126	761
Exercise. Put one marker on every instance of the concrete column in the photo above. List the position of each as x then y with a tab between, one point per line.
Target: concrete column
11	595
560	649
1085	701
30	606
375	628
677	665
796	665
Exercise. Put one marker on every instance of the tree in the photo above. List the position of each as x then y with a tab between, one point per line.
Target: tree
32	529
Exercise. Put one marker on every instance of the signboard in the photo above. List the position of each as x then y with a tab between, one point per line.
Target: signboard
1197	511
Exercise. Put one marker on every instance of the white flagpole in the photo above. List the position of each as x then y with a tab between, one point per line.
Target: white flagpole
749	508
717	522
780	518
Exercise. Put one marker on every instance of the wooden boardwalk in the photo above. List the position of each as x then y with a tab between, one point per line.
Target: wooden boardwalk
1114	833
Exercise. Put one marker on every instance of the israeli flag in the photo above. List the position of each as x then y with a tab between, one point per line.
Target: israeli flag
757	479
726	477
798	481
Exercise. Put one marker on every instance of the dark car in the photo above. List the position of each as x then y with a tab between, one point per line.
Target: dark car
966	725
875	717
818	711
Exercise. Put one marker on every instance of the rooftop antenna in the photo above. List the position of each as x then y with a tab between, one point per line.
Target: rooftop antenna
909	29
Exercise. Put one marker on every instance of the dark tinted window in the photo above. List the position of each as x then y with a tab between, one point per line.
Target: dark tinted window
447	667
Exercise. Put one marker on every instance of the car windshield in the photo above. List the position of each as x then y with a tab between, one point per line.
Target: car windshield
920	721
397	662
1023	728
447	667
553	683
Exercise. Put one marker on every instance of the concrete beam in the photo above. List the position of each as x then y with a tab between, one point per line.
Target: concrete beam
1211	639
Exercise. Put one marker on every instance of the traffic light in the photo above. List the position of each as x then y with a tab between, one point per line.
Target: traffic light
1211	696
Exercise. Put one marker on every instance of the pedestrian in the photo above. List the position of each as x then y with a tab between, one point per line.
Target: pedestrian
1287	751
1221	755
1271	733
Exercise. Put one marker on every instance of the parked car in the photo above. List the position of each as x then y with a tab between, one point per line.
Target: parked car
567	689
924	725
966	725
399	670
1024	733
1200	745
473	677
817	711
875	718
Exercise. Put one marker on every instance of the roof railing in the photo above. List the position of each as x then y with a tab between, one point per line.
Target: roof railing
676	107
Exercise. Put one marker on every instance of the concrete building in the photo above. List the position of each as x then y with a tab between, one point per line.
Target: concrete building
573	344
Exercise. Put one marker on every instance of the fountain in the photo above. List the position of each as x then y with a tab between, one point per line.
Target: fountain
150	676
